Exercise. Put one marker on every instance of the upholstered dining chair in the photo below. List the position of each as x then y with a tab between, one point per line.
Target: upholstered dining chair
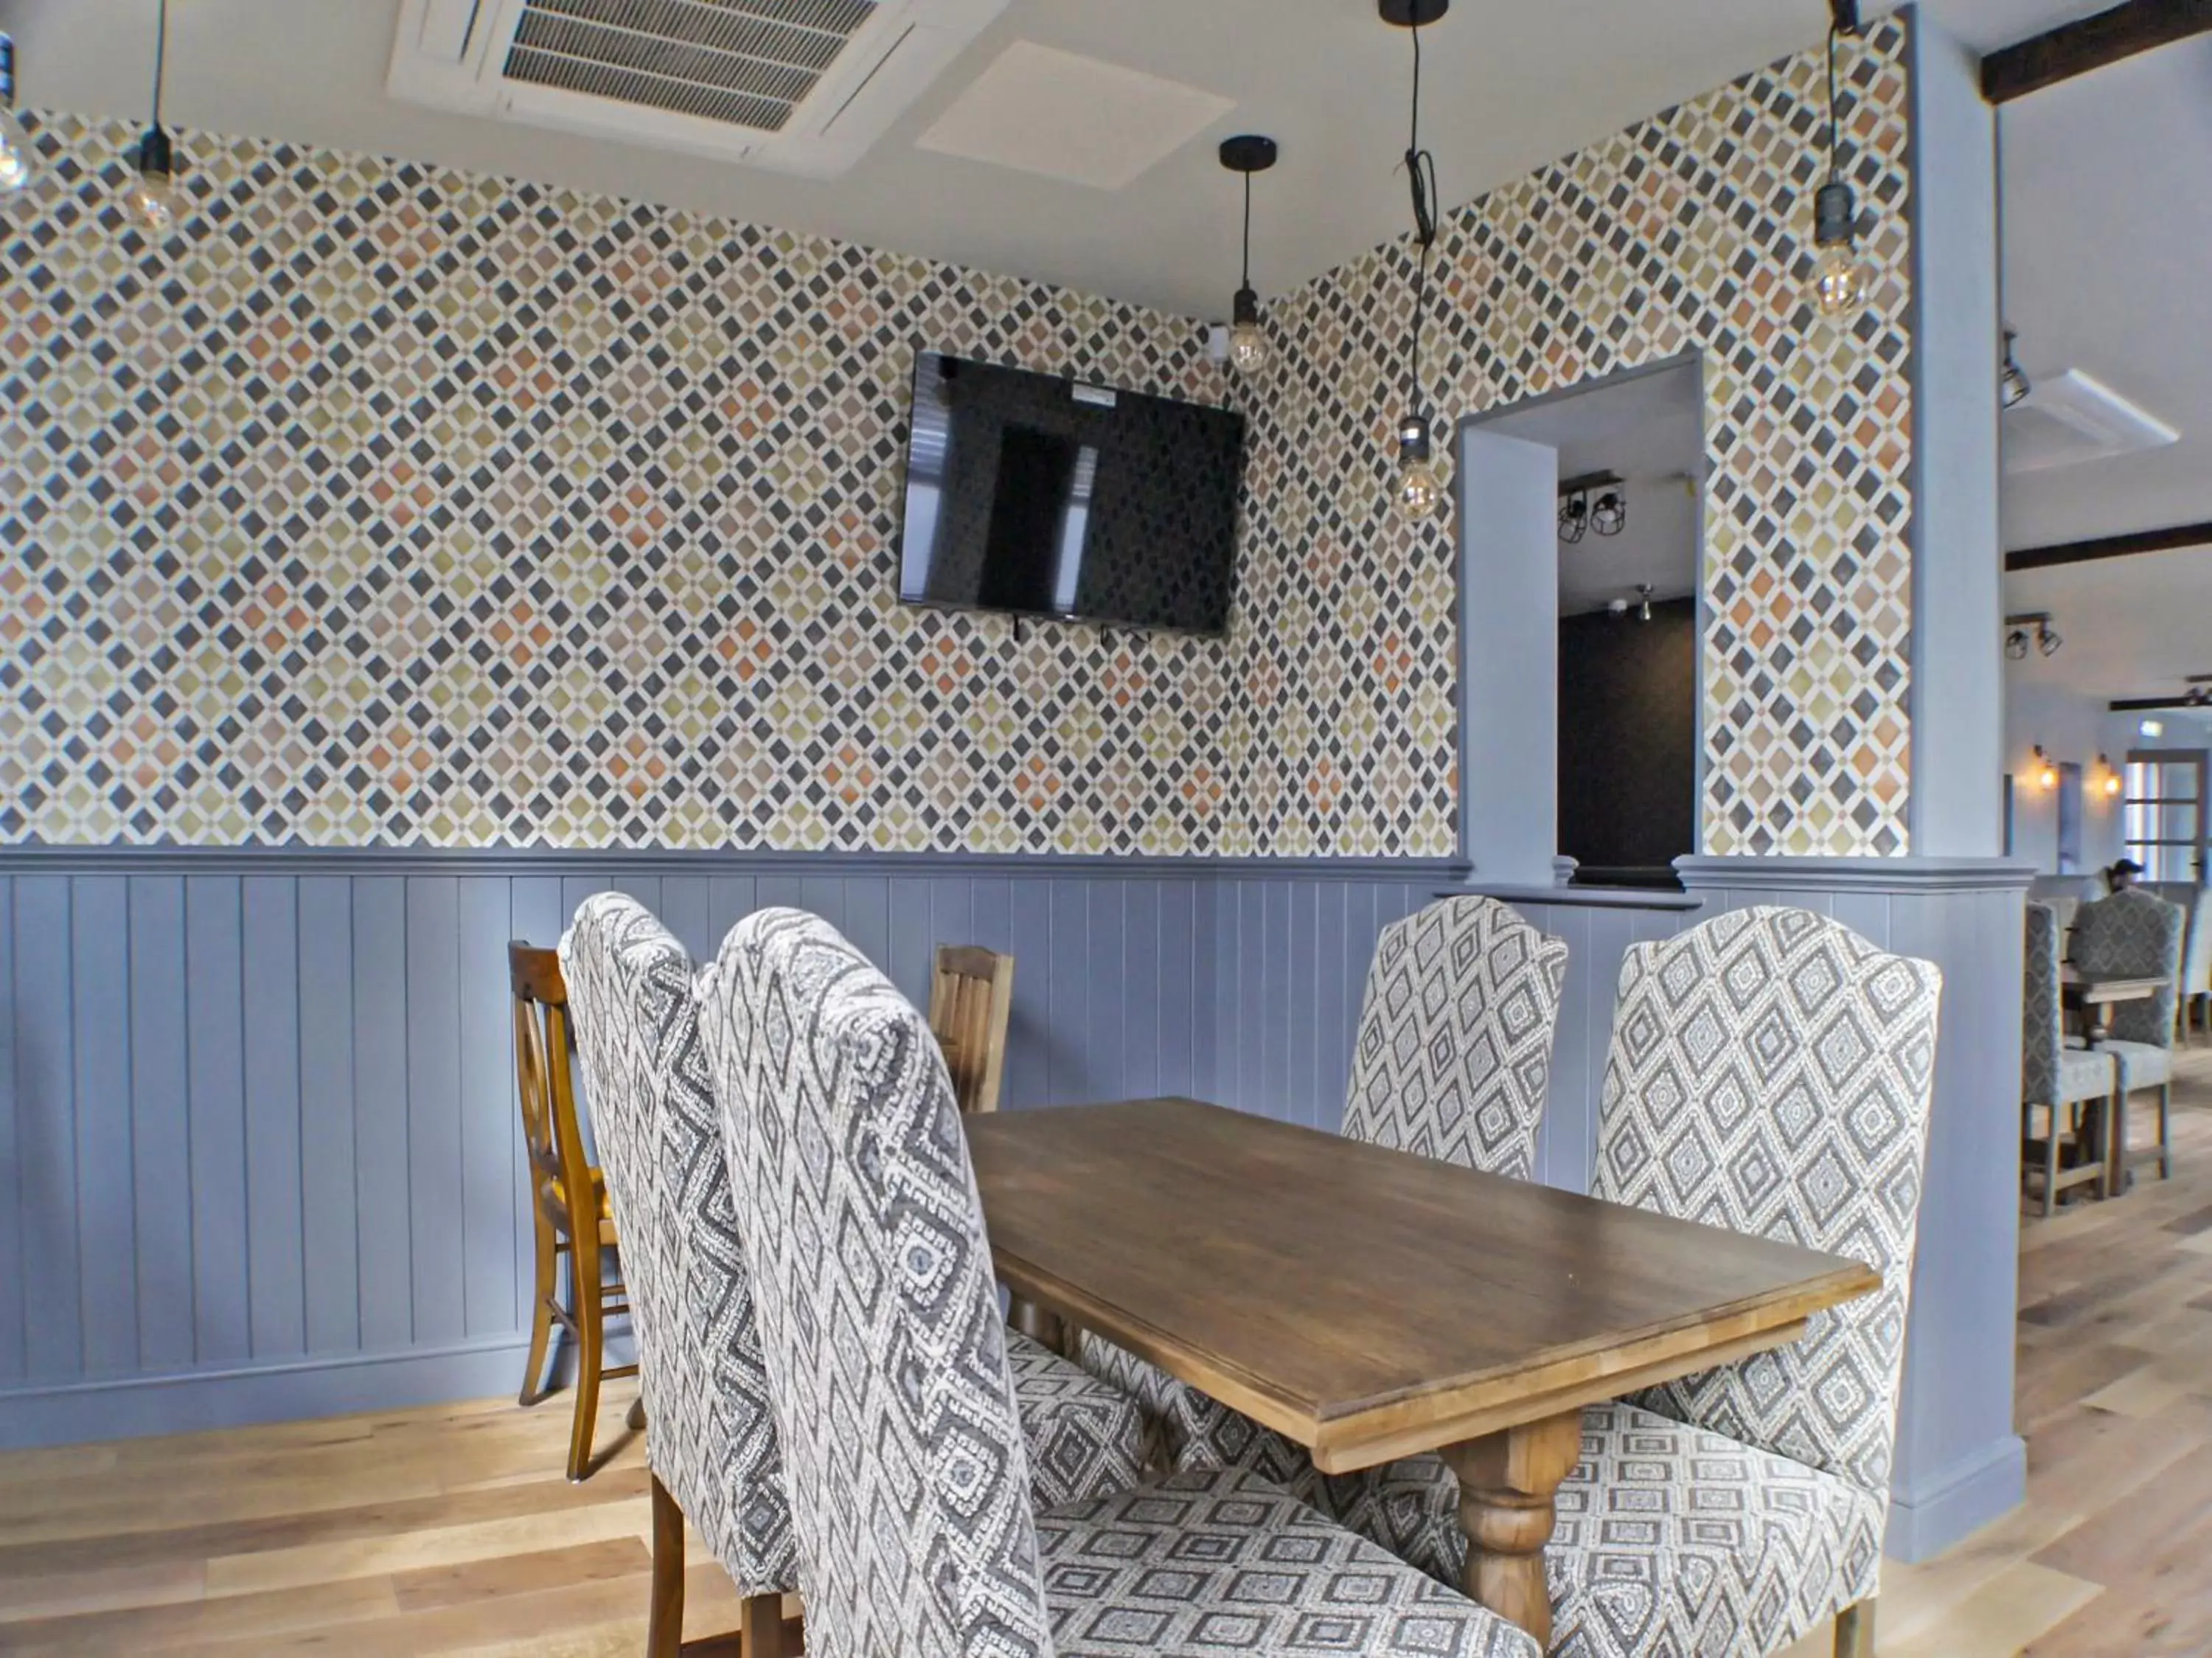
2134	935
888	1377
710	1441
1769	1072
569	1216
1452	1061
2195	985
2055	1079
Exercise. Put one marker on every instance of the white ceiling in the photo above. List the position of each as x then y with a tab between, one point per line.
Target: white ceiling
2132	626
1650	429
2107	263
1518	83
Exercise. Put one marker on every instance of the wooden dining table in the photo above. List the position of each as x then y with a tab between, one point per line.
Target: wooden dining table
1371	1304
2094	995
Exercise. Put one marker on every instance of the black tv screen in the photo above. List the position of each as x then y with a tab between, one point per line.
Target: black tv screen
1036	496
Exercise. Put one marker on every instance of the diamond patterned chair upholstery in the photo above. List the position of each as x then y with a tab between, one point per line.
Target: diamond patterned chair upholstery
1453	1061
711	1441
889	1378
1769	1072
2196	986
2055	1078
2134	933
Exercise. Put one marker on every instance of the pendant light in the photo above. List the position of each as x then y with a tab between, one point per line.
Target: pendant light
19	161
1840	279
153	195
1248	345
1419	492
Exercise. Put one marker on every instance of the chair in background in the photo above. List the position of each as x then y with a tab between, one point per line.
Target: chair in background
1452	1061
2195	990
971	1004
2133	935
1769	1072
2066	894
2056	1079
711	1445
568	1199
888	1377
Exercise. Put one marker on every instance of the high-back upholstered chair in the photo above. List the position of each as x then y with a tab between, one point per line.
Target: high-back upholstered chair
1769	1073
1453	1061
2195	981
2134	935
710	1441
2055	1078
888	1375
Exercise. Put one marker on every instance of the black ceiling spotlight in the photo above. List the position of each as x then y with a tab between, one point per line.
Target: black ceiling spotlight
1419	492
1839	276
2013	380
1610	513
1248	345
1643	591
153	195
2031	627
1574	516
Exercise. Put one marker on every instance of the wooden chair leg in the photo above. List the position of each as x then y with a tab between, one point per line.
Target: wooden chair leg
591	1356
541	1317
1855	1631
2050	1164
2166	1131
663	1629
760	1619
636	1419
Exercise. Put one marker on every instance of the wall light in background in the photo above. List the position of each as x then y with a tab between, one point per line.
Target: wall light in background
2046	770
2108	778
2152	727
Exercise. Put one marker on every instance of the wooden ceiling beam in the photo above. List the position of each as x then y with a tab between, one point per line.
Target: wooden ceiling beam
2110	546
2090	43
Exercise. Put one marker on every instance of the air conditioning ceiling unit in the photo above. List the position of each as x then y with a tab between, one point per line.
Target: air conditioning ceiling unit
800	86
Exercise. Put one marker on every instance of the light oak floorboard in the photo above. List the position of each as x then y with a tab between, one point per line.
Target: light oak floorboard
452	1529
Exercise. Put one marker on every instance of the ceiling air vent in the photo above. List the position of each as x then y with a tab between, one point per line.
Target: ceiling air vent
2072	418
802	86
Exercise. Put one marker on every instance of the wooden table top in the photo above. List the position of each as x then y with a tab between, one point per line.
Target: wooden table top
1368	1303
2078	986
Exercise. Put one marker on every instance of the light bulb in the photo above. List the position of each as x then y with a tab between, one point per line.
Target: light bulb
154	196
1248	343
17	158
1418	490
1840	278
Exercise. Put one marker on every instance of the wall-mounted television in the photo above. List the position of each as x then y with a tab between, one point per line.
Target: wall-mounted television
1032	495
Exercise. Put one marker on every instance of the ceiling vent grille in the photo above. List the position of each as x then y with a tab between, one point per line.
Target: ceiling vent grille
2073	418
804	86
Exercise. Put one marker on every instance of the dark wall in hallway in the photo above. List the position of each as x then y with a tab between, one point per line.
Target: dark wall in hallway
1628	731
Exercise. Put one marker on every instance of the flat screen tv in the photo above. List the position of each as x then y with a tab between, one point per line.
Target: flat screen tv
1035	495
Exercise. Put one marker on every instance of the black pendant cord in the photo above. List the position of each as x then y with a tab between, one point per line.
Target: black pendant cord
1835	117
1421	172
1246	283
161	54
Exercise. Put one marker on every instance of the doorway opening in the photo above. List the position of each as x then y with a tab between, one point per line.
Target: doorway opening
1583	533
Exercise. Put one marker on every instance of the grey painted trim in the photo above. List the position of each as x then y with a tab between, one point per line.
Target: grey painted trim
1901	875
135	1407
39	859
1923	1523
1914	366
1582	897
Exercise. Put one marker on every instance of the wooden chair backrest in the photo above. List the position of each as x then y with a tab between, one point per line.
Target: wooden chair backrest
971	1002
545	1085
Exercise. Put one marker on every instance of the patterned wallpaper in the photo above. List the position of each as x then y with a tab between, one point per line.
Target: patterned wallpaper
388	505
1693	230
385	505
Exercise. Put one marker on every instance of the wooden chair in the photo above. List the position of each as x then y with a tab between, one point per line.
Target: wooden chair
580	1228
2074	1089
971	1002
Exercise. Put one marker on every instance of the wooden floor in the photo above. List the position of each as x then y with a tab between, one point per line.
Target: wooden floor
452	1530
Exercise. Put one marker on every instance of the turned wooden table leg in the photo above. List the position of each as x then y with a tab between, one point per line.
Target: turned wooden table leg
1507	1482
1034	1322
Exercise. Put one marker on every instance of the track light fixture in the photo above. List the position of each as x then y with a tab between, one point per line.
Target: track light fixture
154	193
19	160
1248	345
1419	492
1610	513
2012	380
2031	628
1574	517
1840	280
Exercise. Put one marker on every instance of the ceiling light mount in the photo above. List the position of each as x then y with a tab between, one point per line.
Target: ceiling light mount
2031	627
1247	153
1413	14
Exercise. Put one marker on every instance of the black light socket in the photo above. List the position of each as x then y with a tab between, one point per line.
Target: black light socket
157	156
7	73
1246	313
1413	438
1835	215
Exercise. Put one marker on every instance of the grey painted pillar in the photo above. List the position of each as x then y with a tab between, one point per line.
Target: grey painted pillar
1508	598
1959	1463
1956	809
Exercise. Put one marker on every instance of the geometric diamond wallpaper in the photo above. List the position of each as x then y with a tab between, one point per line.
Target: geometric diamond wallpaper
1693	230
382	504
387	505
